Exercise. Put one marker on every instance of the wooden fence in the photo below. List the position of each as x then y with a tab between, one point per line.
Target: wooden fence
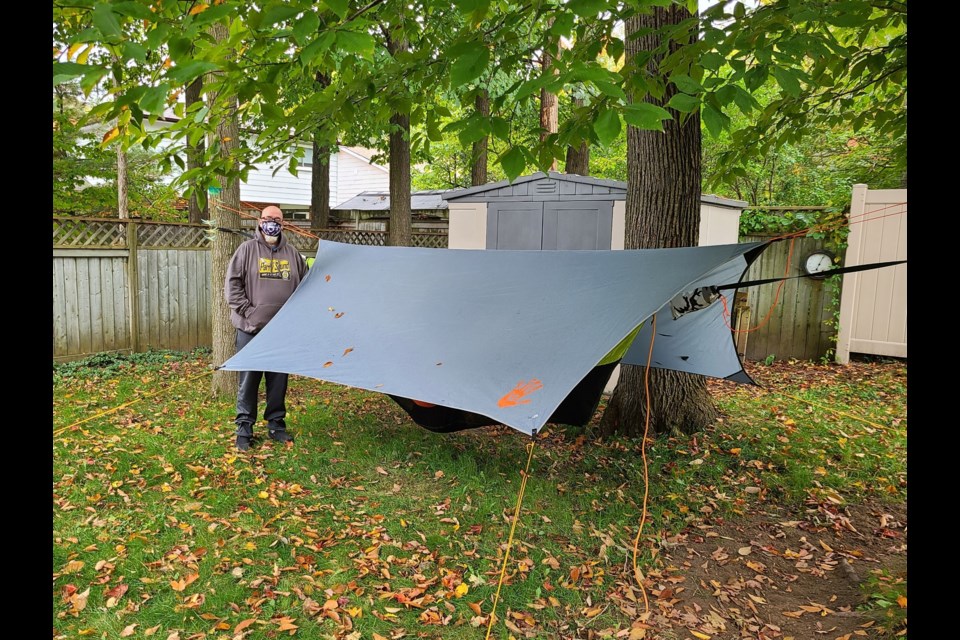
799	310
131	286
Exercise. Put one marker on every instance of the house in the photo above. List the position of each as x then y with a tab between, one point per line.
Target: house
352	171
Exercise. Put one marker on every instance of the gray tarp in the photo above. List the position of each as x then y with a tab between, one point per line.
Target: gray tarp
505	334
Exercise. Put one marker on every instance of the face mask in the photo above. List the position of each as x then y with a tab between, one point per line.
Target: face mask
270	228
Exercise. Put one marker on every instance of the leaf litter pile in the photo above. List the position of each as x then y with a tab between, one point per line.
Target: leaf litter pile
785	519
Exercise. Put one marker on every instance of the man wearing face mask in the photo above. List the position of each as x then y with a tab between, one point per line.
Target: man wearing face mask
262	274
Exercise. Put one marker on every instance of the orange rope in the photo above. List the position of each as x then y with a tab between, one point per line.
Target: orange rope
283	223
776	298
638	576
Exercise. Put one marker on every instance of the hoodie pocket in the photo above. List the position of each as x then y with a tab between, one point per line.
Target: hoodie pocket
260	315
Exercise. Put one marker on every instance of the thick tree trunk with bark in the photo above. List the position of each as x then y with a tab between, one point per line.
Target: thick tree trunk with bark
662	210
224	207
320	179
578	158
478	165
195	154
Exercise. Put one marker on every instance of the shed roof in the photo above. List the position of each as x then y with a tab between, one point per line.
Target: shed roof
561	186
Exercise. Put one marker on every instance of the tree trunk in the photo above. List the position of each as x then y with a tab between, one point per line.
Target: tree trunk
195	155
478	166
578	158
122	210
320	185
401	227
225	207
320	179
662	210
549	110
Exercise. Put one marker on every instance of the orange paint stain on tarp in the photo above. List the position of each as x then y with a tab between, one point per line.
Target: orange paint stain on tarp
516	395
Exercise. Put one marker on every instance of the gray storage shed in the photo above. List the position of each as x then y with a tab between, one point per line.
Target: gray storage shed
563	211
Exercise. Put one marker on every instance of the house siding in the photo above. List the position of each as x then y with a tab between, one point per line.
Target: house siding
283	188
355	176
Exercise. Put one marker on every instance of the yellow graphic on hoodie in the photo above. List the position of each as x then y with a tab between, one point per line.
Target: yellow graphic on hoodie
273	269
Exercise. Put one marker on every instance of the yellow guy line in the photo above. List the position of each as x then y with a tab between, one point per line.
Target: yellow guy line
837	411
513	526
127	404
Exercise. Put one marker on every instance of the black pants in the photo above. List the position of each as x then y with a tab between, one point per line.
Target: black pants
248	390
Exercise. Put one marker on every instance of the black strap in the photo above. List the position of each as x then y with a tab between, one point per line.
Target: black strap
831	272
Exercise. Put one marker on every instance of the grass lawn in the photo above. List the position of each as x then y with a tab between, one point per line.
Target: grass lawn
371	527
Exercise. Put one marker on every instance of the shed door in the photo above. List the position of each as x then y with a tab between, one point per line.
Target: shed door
577	225
549	225
514	225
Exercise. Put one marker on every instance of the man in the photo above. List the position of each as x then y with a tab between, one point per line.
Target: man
262	274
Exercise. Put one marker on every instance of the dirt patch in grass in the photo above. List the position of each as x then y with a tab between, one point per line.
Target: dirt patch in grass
779	575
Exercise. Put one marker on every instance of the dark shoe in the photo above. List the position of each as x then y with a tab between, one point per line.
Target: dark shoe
280	436
243	443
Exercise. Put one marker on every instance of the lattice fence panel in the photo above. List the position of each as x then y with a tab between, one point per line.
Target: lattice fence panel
172	235
430	240
88	233
355	236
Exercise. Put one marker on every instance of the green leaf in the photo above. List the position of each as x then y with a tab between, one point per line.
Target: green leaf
610	89
91	78
133	51
686	84
483	8
272	111
787	81
179	47
339	7
715	120
106	21
317	47
712	61
354	42
513	162
278	13
306	26
644	115
474	128
746	102
500	127
63	71
189	71
468	64
755	77
155	99
725	94
562	24
587	8
158	35
213	14
683	103
134	10
607	126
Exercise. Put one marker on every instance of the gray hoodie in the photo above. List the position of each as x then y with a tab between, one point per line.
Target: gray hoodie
260	278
